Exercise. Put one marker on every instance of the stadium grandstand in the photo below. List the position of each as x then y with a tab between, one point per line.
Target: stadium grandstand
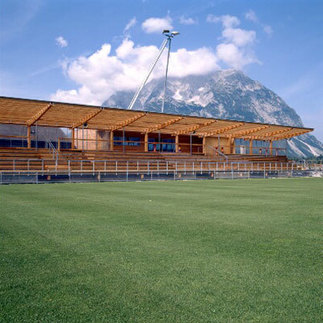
96	143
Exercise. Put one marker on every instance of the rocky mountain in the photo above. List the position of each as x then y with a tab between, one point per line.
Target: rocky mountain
226	94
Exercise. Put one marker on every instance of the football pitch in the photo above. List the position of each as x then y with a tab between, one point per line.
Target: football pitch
194	251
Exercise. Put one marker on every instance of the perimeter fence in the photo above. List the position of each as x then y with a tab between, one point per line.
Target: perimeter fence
150	171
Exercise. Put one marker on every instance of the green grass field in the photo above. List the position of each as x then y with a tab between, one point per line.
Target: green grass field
196	251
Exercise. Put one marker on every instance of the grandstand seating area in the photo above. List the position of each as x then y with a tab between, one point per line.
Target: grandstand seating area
47	160
116	141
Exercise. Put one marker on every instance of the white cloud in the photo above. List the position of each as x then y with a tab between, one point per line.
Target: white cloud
187	21
156	25
130	24
233	56
235	49
61	41
251	15
227	20
102	74
196	62
239	36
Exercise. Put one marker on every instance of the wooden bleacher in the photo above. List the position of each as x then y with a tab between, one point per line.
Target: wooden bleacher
24	159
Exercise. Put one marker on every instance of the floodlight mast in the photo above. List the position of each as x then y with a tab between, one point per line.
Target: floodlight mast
169	36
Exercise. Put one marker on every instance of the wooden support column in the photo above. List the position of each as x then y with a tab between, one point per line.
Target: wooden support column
176	144
271	147
250	147
28	137
231	147
111	140
96	140
203	145
83	137
146	141
73	138
123	140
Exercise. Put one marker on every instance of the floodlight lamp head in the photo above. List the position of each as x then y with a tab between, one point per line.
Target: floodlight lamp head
170	34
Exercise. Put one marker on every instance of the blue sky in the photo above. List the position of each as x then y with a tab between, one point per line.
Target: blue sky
82	51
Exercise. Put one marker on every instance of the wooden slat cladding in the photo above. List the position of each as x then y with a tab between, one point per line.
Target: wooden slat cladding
65	115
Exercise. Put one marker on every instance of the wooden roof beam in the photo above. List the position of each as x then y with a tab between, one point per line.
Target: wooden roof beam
194	128
163	125
87	118
38	115
247	131
127	122
273	133
221	130
269	134
287	136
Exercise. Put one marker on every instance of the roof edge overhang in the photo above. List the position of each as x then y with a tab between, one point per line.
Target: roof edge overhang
47	102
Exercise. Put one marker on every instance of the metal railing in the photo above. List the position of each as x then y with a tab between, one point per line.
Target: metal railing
51	147
218	151
35	177
147	165
52	150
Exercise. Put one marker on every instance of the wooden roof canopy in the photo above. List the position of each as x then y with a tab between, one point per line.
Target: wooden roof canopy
65	115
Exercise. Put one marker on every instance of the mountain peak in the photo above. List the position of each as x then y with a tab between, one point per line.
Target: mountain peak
226	94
